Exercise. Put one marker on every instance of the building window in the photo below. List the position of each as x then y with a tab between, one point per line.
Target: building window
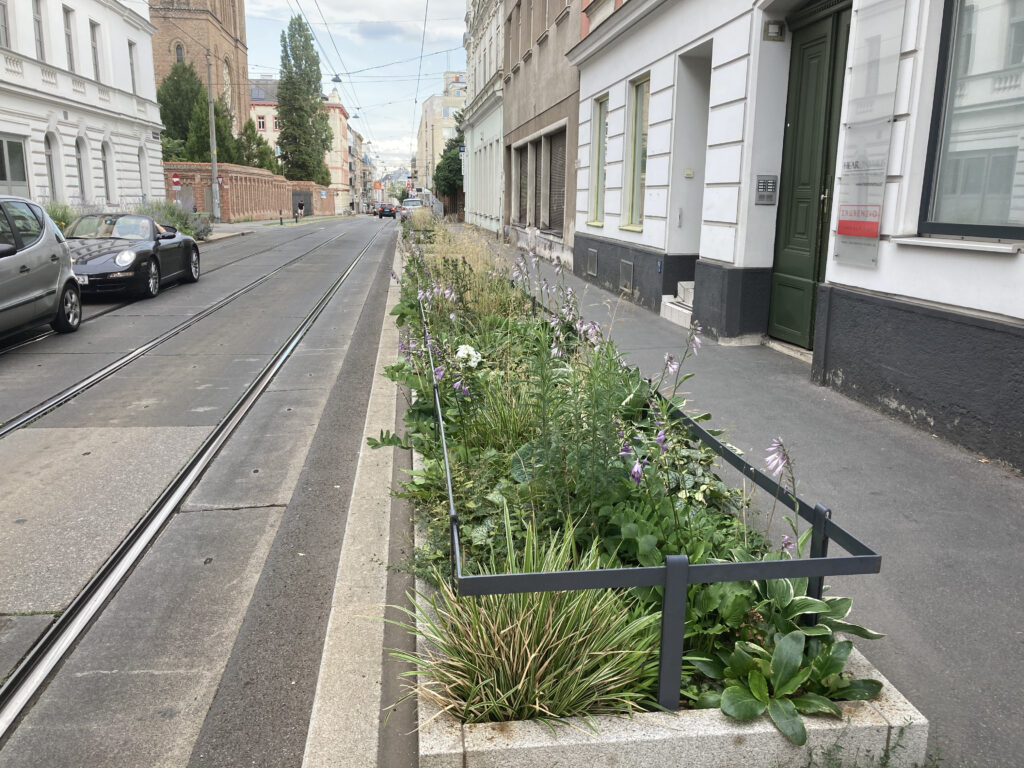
80	153
261	122
277	123
640	95
94	41
13	179
108	173
131	63
37	26
5	29
143	174
179	53
51	166
598	158
1015	34
974	182
69	37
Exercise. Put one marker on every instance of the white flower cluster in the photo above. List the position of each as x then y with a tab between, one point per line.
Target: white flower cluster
466	354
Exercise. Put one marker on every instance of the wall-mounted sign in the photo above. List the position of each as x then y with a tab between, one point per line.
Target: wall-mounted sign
875	42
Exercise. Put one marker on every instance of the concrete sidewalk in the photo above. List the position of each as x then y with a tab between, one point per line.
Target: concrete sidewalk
947	523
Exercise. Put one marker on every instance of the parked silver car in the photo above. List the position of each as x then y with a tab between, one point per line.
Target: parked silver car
37	285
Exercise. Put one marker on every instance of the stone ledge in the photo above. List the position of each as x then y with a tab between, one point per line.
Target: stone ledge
705	738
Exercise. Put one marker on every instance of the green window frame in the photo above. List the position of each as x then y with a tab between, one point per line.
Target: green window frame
636	180
598	160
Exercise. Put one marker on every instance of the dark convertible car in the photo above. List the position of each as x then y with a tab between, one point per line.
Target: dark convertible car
127	252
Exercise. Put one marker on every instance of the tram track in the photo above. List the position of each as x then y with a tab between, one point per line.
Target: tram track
69	393
48	651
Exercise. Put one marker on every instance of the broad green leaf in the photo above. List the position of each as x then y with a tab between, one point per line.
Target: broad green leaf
859	690
753	649
791	685
787	657
647	543
710	667
740	662
802	605
781	591
801	543
852	629
630	531
758	686
783	713
839	607
708	700
739	703
812	704
816	630
832	661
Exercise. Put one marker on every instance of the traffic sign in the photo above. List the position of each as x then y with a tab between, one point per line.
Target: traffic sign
175	181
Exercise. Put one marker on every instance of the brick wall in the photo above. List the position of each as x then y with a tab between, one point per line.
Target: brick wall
245	193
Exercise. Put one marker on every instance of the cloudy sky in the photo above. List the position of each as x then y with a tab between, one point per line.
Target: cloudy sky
378	45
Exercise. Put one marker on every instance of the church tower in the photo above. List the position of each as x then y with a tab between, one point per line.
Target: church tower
188	29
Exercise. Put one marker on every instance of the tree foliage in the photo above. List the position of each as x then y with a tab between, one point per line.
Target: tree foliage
305	133
448	174
398	191
197	144
252	149
177	96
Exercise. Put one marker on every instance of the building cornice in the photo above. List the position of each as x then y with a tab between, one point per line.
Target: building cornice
608	30
58	103
132	17
486	98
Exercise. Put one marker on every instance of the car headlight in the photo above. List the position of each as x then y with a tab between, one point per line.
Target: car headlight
124	258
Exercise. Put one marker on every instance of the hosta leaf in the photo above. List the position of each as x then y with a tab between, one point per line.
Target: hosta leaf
758	686
852	629
787	657
802	605
710	667
816	630
839	607
740	662
647	543
708	700
739	703
812	703
832	661
859	690
783	713
781	591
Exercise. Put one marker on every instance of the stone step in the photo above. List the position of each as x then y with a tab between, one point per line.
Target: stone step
675	311
684	291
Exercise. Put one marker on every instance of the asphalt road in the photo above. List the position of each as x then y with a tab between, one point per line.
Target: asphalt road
209	652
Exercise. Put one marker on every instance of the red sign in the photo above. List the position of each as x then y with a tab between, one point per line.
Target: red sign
859	220
175	181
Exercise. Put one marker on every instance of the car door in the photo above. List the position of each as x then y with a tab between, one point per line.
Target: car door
16	298
42	255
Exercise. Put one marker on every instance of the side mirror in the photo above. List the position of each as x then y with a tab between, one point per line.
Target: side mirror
6	249
166	235
169	228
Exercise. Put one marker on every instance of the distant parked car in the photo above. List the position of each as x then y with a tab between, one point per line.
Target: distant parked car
37	285
386	209
125	252
410	205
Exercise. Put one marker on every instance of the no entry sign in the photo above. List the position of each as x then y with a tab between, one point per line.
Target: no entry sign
175	181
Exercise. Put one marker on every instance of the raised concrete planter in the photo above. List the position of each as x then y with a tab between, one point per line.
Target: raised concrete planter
703	737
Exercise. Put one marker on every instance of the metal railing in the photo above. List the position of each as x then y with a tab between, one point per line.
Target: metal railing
677	574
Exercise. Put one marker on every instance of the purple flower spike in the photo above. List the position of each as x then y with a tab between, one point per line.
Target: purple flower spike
660	440
671	364
439	373
778	457
626	450
787	544
637	473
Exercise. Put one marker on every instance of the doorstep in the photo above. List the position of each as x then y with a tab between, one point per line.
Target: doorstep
696	737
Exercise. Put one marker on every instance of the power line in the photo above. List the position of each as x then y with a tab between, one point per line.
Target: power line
419	70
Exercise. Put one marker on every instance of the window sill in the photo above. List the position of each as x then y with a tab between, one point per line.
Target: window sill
507	78
562	15
595	223
981	246
515	67
543	37
528	54
632	227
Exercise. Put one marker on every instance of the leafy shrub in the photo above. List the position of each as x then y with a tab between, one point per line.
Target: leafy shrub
167	212
61	213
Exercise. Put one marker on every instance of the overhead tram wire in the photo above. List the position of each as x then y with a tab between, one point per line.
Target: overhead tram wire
419	71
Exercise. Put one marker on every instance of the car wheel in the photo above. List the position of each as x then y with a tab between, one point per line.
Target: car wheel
152	286
192	273
69	310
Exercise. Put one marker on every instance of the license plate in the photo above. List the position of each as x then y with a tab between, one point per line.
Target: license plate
82	279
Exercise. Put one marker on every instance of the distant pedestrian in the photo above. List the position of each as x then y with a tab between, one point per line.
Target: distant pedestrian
302	209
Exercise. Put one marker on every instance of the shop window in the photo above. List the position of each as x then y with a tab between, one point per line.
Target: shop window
974	183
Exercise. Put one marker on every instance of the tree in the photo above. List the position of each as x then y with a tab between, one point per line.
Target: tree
305	133
252	149
448	174
197	145
173	149
177	96
398	191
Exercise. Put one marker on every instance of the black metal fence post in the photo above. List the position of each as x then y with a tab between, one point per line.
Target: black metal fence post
673	627
819	548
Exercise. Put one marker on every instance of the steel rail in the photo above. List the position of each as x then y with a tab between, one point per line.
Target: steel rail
108	370
122	305
50	648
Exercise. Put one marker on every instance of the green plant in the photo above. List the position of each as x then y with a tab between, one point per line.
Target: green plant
536	655
61	213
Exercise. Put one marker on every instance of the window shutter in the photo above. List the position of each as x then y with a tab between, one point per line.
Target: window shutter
537	146
524	179
556	193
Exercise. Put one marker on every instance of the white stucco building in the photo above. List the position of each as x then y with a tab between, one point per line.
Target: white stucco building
79	121
844	177
483	180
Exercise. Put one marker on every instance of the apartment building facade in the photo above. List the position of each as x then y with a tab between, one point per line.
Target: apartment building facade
483	180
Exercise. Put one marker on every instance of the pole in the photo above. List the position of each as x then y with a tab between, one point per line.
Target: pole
213	142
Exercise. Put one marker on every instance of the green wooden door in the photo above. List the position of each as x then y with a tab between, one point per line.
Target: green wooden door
817	64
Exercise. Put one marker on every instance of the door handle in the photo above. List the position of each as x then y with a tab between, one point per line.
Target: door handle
54	257
24	269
